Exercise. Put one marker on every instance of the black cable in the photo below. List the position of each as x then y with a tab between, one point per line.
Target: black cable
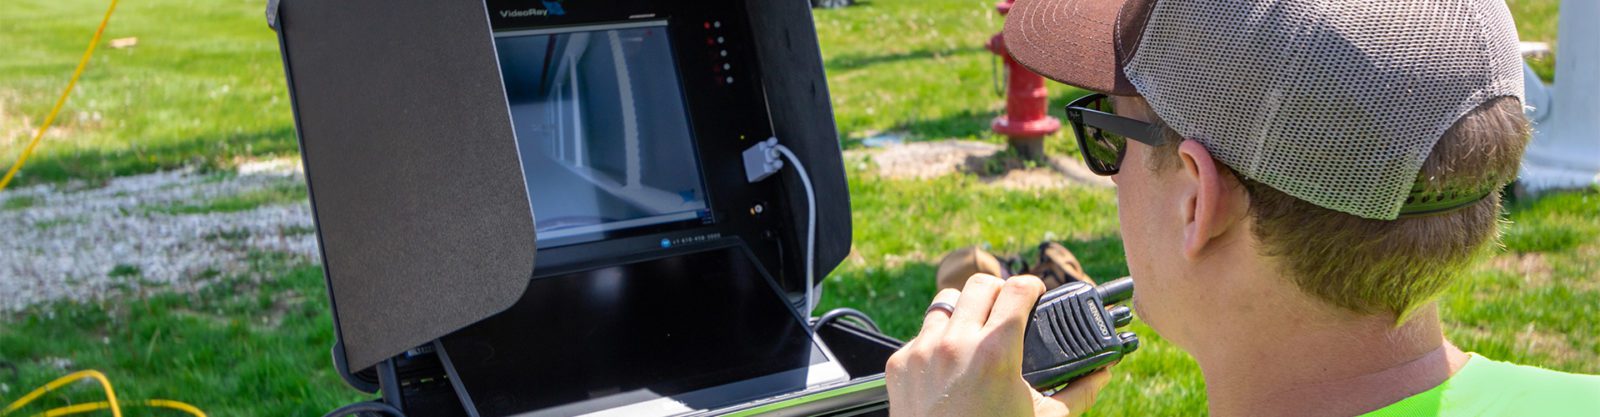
366	407
843	312
389	383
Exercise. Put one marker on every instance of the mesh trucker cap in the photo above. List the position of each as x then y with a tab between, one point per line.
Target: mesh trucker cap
1335	102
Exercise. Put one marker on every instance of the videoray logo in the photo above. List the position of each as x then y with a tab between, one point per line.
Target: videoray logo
551	8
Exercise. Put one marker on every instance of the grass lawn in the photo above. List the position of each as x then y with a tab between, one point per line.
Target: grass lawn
210	90
203	86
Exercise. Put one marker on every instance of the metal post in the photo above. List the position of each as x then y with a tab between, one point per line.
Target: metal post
1565	151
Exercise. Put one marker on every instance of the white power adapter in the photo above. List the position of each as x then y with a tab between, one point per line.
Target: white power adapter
762	160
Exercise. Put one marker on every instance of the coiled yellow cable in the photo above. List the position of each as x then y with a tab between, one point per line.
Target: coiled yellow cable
109	404
111	395
102	405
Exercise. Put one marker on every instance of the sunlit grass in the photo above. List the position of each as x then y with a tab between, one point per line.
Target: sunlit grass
203	86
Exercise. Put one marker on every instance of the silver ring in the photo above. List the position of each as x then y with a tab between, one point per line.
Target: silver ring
940	305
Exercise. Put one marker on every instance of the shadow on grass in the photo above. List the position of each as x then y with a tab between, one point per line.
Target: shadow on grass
847	62
205	152
966	124
972	122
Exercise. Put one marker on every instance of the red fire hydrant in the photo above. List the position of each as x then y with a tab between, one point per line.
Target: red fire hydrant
1025	121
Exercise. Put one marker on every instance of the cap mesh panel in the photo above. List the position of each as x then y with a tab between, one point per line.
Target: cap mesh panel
1336	102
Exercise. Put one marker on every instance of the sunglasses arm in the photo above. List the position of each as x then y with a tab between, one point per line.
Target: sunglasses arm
1146	133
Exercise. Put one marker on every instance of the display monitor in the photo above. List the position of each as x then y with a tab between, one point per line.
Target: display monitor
602	130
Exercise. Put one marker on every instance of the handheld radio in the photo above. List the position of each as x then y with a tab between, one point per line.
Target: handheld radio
1072	332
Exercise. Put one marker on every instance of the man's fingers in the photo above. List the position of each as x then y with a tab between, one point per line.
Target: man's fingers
1076	398
936	319
972	310
1009	318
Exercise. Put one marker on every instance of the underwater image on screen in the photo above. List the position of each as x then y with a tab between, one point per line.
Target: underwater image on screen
601	127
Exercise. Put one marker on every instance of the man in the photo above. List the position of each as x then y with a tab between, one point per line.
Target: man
1297	180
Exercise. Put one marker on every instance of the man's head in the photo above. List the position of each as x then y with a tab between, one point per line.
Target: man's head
1308	143
1189	220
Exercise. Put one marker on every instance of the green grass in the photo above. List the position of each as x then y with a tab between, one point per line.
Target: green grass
273	194
1536	22
58	222
879	54
204	87
243	346
19	202
1538	302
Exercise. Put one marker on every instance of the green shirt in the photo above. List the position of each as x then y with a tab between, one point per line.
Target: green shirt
1485	387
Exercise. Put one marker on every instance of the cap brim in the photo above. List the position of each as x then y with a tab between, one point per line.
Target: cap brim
1071	41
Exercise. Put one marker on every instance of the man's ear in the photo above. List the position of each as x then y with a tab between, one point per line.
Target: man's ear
1214	202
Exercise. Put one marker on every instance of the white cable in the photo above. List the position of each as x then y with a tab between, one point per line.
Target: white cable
811	225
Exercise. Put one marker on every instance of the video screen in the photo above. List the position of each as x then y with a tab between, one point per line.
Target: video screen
601	126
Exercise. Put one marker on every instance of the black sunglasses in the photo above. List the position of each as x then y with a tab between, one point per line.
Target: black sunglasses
1103	135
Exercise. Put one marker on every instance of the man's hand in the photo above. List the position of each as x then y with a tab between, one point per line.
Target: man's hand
969	362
